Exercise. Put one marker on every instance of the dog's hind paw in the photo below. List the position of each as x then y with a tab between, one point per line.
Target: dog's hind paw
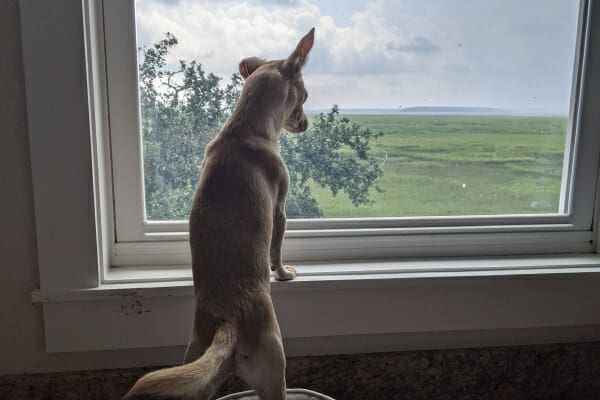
285	273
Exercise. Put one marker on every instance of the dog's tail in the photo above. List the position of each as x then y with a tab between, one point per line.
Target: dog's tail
189	380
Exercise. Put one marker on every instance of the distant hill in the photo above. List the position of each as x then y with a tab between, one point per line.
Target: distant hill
417	110
356	111
452	110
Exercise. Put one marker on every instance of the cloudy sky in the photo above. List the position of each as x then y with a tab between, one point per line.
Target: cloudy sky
511	54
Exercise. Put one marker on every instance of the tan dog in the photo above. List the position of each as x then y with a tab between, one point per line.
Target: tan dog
236	231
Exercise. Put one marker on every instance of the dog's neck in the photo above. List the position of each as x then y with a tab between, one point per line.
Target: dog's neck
260	111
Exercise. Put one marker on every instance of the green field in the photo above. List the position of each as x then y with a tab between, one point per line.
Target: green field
460	165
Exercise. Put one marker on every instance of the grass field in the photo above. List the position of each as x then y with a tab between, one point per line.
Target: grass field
460	165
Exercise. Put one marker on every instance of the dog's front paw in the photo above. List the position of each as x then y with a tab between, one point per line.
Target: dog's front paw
285	273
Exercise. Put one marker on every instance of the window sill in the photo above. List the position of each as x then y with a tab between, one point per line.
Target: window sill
156	281
151	307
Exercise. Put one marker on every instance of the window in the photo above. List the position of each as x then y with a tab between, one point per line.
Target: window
507	169
462	109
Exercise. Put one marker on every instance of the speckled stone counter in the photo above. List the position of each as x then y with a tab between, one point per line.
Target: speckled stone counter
562	371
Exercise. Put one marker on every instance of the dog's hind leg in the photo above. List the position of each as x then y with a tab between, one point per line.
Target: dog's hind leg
271	385
263	366
201	337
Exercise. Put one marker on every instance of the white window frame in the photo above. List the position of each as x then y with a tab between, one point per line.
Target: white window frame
496	283
139	241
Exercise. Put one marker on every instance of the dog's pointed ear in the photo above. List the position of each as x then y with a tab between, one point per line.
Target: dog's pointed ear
298	58
249	65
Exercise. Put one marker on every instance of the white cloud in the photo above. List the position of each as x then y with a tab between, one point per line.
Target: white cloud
411	52
220	34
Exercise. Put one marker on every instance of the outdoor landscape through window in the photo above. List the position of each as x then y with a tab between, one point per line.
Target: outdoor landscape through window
417	108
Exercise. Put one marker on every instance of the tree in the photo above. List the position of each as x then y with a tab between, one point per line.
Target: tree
334	153
183	108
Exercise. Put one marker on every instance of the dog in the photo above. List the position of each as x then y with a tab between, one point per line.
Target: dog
237	223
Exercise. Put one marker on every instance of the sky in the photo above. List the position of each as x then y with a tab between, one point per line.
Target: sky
508	54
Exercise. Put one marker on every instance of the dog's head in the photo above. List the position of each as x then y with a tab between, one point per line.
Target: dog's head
290	71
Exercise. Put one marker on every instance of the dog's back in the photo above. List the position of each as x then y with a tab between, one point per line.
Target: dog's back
231	219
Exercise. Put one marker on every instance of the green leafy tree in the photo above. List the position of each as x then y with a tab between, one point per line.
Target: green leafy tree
183	108
334	153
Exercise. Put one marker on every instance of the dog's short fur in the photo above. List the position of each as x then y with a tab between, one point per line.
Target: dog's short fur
236	231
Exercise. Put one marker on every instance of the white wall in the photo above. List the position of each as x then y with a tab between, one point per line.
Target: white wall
21	322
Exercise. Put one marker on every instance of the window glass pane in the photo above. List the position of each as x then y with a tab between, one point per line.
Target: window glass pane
418	108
